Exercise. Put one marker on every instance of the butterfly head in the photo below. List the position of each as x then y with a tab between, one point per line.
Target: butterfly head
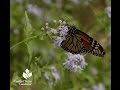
72	30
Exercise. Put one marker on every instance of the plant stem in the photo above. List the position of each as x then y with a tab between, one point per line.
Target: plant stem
23	41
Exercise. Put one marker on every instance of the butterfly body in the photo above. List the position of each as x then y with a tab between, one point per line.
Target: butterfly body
78	42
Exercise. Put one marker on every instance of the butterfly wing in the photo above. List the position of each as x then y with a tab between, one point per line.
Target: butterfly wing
90	45
80	42
72	44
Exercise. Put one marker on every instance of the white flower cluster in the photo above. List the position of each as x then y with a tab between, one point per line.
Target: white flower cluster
54	75
74	62
108	11
34	10
100	86
62	30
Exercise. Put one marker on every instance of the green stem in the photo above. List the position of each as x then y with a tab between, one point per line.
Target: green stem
30	61
22	42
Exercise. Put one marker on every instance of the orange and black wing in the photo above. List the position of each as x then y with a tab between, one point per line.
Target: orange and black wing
77	42
90	45
72	44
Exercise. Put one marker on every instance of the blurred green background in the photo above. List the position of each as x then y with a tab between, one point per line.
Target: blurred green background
39	55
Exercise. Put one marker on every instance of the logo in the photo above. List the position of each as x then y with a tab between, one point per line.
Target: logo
27	74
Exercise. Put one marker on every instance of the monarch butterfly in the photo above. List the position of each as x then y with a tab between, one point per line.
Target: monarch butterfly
77	42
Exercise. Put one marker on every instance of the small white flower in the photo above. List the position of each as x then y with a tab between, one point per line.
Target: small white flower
34	10
42	28
54	31
94	71
75	62
75	57
19	1
54	21
46	76
60	21
49	79
100	86
108	11
46	24
83	64
63	31
57	41
16	31
46	27
47	1
64	22
55	74
75	1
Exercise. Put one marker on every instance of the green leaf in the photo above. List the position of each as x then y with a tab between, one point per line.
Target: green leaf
28	31
30	51
28	28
